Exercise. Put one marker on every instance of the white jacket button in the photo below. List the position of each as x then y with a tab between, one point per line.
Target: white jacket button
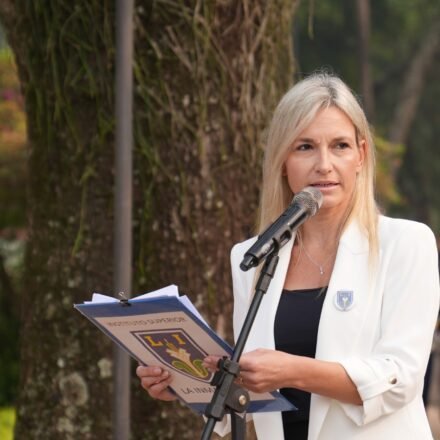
393	380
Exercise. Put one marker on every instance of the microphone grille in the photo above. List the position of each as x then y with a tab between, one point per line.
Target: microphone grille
310	198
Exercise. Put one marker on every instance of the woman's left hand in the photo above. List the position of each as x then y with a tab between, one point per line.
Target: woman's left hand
265	370
261	370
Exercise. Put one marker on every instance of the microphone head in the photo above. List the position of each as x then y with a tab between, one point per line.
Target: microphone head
310	198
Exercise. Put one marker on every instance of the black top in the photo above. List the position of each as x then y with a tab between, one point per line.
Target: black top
296	332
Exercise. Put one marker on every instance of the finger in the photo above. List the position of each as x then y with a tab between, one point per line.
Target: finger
211	359
142	371
211	362
157	388
160	390
148	381
246	363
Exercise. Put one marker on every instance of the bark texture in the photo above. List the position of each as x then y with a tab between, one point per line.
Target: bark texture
364	31
208	75
64	56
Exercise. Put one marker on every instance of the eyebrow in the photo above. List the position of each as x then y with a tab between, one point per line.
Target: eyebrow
336	139
304	140
343	138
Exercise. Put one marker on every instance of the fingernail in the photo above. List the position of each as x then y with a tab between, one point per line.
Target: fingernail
157	370
165	374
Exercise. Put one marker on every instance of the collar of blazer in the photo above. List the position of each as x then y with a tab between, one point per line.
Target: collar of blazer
350	273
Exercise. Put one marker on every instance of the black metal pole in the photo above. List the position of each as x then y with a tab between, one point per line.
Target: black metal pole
222	401
123	203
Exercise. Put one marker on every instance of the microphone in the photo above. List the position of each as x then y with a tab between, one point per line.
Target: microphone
305	204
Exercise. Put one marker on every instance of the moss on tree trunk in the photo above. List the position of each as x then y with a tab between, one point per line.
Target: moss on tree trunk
208	75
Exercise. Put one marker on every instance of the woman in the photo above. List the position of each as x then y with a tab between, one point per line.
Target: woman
349	316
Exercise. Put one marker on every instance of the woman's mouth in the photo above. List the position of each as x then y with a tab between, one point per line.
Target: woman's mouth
323	185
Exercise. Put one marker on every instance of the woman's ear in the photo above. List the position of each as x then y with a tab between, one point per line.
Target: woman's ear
362	155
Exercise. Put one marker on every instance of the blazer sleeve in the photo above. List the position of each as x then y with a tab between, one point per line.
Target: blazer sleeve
392	375
241	287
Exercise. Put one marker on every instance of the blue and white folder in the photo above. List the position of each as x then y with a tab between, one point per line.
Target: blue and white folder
165	329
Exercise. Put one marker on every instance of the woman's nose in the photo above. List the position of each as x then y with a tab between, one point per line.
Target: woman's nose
323	161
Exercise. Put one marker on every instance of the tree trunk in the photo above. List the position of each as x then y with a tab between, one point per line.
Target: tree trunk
363	20
413	85
208	75
64	56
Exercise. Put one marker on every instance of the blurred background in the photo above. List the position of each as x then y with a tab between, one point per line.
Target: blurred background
207	78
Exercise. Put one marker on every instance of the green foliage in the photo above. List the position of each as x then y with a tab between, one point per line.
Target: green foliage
12	145
12	221
7	421
389	159
11	266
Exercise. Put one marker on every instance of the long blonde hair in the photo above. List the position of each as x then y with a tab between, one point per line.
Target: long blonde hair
294	113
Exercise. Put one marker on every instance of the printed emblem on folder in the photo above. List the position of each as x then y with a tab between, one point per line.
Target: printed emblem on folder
178	350
164	329
344	300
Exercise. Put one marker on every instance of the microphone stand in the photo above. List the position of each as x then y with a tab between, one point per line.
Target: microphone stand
229	397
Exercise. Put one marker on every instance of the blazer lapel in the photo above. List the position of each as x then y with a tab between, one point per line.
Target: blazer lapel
338	328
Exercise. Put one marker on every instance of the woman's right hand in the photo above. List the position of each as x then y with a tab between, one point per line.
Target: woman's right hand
156	381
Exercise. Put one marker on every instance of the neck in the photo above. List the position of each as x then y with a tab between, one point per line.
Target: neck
323	230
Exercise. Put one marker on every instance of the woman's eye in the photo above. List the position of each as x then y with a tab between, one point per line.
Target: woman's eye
342	145
303	147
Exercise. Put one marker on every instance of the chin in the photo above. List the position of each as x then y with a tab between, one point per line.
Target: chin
330	203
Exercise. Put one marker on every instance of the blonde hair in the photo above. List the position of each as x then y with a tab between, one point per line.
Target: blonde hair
294	113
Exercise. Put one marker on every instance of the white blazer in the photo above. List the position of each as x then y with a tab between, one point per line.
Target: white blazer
383	341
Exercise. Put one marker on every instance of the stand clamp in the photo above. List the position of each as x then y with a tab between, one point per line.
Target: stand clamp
231	395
